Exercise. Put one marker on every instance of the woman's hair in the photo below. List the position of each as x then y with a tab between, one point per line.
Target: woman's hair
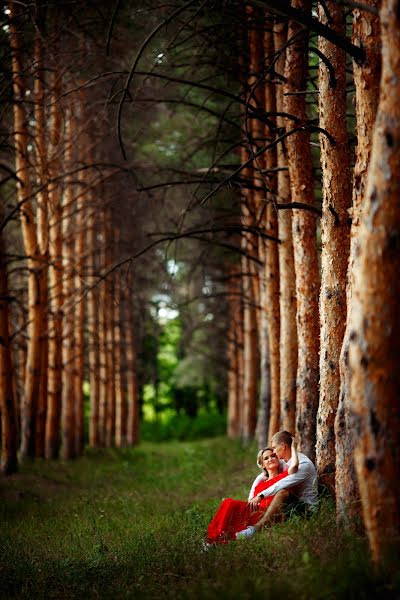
260	458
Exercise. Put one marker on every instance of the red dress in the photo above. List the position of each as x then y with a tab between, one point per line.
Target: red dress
234	515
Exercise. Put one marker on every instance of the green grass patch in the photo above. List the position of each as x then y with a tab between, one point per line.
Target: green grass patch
130	524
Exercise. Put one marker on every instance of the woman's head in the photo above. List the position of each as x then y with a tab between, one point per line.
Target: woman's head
267	460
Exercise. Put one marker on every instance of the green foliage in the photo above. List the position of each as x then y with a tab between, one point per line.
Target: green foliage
183	427
130	523
180	396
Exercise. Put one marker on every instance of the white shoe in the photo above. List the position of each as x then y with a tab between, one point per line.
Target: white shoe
206	546
246	533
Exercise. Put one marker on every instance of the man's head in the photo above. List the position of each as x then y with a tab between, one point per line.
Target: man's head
281	444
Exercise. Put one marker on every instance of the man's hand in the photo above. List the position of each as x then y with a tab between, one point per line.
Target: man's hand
255	503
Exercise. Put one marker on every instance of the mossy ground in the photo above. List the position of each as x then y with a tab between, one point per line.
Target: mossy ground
130	524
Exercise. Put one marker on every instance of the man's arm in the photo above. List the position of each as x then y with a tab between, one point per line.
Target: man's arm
257	480
291	480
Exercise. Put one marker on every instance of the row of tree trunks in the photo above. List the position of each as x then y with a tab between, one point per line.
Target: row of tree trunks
59	194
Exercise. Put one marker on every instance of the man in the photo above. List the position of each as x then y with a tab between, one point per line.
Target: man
298	491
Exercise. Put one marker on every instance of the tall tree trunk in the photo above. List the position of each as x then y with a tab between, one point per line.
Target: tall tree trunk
93	327
68	254
55	325
250	325
9	426
29	234
110	345
42	176
304	236
255	216
375	328
120	398
79	317
335	230
132	390
271	247
287	280
232	355
102	336
264	409
250	357
366	78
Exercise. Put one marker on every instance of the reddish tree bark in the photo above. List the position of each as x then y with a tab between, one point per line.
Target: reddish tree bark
9	428
68	258
375	327
29	234
287	279
366	78
304	236
271	247
55	322
335	229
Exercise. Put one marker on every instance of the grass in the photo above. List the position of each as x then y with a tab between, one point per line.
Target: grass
129	524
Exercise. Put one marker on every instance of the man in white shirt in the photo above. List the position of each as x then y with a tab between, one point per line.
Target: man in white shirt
298	490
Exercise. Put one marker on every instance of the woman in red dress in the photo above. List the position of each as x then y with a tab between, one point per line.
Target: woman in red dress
233	516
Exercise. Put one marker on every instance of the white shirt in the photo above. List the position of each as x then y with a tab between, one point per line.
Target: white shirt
303	483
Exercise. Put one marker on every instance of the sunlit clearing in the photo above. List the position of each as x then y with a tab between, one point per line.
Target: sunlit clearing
167	313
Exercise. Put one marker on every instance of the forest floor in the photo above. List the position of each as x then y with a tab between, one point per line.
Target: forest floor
130	524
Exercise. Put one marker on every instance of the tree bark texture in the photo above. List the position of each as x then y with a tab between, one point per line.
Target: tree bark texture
80	306
132	433
250	325
367	82
304	237
271	247
68	258
120	398
9	428
287	280
375	328
335	230
93	327
235	323
55	322
42	176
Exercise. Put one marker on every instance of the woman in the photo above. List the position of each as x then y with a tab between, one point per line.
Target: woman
233	516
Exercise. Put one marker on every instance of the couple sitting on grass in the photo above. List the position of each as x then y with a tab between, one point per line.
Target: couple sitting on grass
287	485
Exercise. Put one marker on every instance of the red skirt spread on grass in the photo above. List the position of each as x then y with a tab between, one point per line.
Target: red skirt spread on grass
234	515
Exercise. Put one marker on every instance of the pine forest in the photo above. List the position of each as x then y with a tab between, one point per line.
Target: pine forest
200	244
